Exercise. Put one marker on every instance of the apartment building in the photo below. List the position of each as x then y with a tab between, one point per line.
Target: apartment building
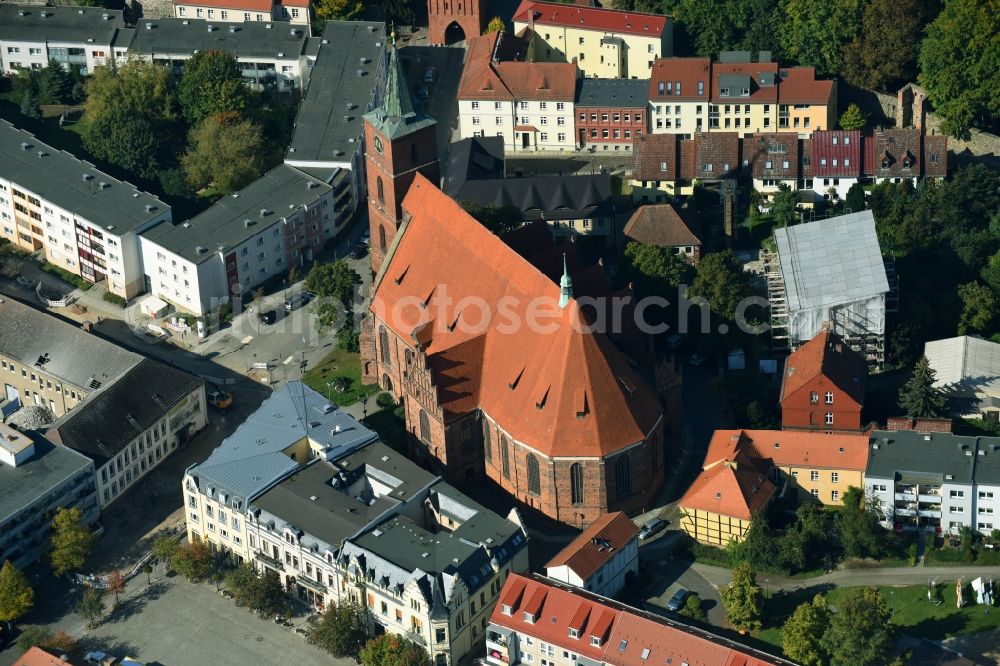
79	37
610	113
773	159
542	621
603	559
130	426
36	480
835	162
896	155
85	221
667	165
340	516
935	481
295	12
604	43
269	55
679	93
281	220
531	105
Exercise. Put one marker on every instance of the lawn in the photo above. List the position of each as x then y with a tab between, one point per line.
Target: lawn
339	363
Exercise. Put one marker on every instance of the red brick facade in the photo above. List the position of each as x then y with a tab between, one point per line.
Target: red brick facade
465	14
609	125
823	385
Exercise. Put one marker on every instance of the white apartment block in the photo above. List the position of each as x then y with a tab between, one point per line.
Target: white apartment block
78	37
244	11
84	220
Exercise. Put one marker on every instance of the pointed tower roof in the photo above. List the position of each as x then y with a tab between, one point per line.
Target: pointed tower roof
565	286
397	115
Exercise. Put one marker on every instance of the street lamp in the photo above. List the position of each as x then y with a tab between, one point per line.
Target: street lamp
767	588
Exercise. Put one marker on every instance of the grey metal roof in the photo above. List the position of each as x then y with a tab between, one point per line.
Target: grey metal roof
908	452
612	92
251	460
965	365
342	87
475	158
251	39
118	413
988	461
31	23
397	115
832	261
26	483
735	83
73	184
225	223
37	339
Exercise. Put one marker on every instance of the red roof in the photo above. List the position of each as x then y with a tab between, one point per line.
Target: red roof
237	5
662	225
759	94
733	486
936	156
552	384
655	157
597	545
591	18
716	155
791	448
485	79
826	355
836	154
773	155
798	85
36	656
893	153
680	73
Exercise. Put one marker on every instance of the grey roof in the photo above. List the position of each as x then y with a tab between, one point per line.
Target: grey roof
475	158
251	39
251	460
537	197
735	83
832	261
224	224
118	413
329	116
31	23
908	453
333	501
38	339
965	365
988	461
397	115
24	484
73	184
612	92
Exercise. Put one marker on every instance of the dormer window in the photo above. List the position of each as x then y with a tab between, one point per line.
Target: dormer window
907	162
723	92
529	618
505	609
573	633
745	92
595	641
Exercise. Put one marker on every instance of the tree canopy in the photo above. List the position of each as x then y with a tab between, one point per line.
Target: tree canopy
212	85
91	607
334	284
859	527
720	281
498	219
16	596
727	25
224	151
654	270
853	118
860	632
342	630
743	598
336	10
803	631
393	650
125	140
784	206
883	56
918	397
71	541
814	32
193	560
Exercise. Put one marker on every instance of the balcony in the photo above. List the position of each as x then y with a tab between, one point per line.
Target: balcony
930	498
929	513
269	561
305	581
906	497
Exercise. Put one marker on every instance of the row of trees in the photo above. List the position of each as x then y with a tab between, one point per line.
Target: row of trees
948	46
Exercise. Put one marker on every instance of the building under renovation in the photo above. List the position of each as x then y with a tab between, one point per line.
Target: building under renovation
832	271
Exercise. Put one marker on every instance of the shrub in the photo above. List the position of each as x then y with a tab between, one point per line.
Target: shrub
114	299
385	400
66	276
911	553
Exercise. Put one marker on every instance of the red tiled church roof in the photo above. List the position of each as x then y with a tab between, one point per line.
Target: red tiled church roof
555	386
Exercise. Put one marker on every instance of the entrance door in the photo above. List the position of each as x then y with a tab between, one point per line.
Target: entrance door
525	140
583	138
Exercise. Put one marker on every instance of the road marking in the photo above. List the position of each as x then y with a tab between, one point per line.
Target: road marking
288	360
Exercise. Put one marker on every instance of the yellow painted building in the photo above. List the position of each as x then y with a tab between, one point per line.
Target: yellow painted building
714	529
720	504
826	485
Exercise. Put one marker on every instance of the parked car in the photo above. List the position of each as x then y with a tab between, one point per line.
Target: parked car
366	238
268	317
677	601
219	399
430	74
651	527
98	658
296	301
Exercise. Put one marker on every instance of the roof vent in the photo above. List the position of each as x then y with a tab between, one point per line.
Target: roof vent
313	498
184	22
264	211
86	177
247	223
981	452
280	54
364	60
42	153
211	28
310	185
80	12
267	26
21	12
106	16
338	152
149	26
198	249
90	40
968	453
361	72
371	28
232	28
25	146
927	438
102	185
149	208
295	32
186	225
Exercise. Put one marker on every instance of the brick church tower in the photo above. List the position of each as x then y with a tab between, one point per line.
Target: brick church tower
399	142
454	20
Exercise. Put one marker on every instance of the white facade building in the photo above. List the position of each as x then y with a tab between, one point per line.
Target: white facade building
79	37
603	559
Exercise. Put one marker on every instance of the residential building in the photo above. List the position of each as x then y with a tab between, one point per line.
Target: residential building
130	426
541	621
716	158
451	21
935	481
836	162
967	369
270	55
773	159
36	480
306	491
666	165
403	143
745	469
823	385
604	43
529	104
830	272
295	12
86	221
36	656
346	82
81	38
572	205
553	415
282	219
603	559
49	362
904	154
679	94
610	113
664	226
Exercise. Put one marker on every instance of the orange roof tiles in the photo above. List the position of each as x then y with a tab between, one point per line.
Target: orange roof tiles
591	18
241	5
791	448
735	486
655	157
826	355
662	225
483	78
677	79
36	656
444	265
798	85
597	545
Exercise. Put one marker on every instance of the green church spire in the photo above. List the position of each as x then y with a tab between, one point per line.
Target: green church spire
396	101
565	285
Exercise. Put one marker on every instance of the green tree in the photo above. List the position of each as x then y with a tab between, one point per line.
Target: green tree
57	643
654	270
16	595
393	650
116	585
693	609
495	25
784	206
342	630
29	106
71	541
138	86
240	583
348	338
853	118
860	632
979	308
125	140
148	570
224	151
814	32
721	281
759	549
165	548
727	25
193	561
858	523
884	54
91	607
743	598
803	631
918	397
856	198
336	10
266	594
334	284
212	85
498	219
960	65
54	84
